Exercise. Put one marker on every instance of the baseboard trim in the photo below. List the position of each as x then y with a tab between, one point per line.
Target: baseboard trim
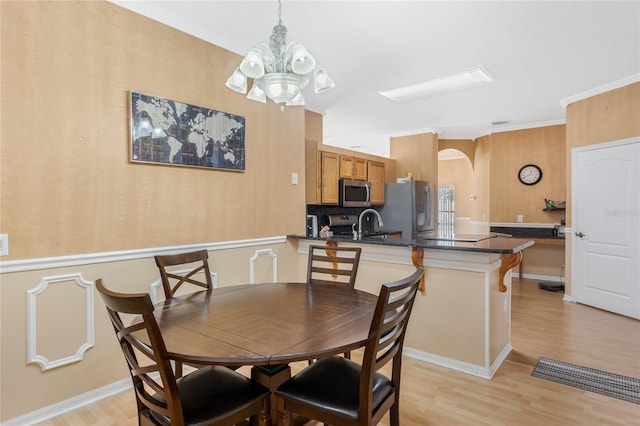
463	367
70	404
552	278
117	256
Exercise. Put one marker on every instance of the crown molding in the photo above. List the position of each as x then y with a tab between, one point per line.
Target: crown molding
600	89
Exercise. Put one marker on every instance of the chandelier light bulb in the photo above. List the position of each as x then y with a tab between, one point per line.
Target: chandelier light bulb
257	94
301	61
322	81
237	82
252	65
297	101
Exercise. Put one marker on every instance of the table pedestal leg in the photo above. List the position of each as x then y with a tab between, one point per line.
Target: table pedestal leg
271	376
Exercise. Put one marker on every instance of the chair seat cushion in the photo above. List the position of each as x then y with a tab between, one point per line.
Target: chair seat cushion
333	385
212	393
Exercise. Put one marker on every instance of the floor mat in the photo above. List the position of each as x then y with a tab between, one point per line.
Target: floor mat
590	379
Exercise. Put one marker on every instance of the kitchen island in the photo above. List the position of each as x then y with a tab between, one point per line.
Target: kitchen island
462	316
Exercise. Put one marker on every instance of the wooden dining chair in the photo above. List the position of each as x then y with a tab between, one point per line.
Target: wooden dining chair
172	281
333	265
338	391
211	395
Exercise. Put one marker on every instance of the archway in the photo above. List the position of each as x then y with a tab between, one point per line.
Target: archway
455	173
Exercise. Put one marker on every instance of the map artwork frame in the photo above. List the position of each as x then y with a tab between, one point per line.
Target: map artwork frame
178	134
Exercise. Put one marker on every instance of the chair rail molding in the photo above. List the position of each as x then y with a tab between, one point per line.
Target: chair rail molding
116	256
32	333
274	264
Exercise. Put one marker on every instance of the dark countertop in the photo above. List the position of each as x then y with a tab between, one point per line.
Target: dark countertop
528	232
500	245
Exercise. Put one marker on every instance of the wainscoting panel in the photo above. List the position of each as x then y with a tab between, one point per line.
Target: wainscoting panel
253	260
54	331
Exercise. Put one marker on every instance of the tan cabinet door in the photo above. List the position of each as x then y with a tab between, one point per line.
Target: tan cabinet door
329	189
346	167
359	169
375	174
353	168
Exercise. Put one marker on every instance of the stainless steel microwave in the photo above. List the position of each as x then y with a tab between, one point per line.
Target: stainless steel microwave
355	193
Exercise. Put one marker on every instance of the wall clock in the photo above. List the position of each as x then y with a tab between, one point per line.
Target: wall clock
530	174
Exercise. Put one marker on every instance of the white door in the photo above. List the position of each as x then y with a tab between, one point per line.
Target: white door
606	230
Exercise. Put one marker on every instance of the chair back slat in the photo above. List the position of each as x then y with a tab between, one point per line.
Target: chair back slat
333	265
172	281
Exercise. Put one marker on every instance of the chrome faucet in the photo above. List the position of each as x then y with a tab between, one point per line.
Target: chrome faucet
360	220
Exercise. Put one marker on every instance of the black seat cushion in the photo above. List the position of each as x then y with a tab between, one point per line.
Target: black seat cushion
333	384
211	393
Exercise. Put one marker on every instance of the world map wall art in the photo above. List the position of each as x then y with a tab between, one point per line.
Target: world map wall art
170	132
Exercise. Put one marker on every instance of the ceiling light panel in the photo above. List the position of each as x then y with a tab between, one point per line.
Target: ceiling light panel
448	83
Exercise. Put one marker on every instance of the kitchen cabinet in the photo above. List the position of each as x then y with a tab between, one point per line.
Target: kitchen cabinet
353	168
375	175
329	178
321	174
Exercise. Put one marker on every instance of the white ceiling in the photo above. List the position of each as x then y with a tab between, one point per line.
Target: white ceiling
540	53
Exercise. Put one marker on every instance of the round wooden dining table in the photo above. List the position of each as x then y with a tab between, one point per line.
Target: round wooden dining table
266	326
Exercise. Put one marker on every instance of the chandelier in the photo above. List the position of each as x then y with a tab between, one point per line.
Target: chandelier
278	70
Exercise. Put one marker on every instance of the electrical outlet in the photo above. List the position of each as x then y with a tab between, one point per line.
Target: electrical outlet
519	218
294	178
4	244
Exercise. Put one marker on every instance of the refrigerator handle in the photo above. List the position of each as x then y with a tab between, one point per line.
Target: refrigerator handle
427	204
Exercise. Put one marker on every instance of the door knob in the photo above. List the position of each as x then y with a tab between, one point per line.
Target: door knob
580	234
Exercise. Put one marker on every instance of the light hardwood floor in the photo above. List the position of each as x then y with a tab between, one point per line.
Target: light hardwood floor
542	325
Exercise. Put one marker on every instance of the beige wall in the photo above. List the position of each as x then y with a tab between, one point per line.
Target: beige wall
466	146
496	160
609	116
480	189
68	191
68	186
543	146
416	154
313	123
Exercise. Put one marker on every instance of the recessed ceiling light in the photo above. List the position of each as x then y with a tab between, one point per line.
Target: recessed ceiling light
448	83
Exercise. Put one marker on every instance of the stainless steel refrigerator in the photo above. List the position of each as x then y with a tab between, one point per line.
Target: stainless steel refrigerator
409	207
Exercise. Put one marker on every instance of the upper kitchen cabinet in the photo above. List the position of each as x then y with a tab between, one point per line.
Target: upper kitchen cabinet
329	178
321	173
375	175
353	168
